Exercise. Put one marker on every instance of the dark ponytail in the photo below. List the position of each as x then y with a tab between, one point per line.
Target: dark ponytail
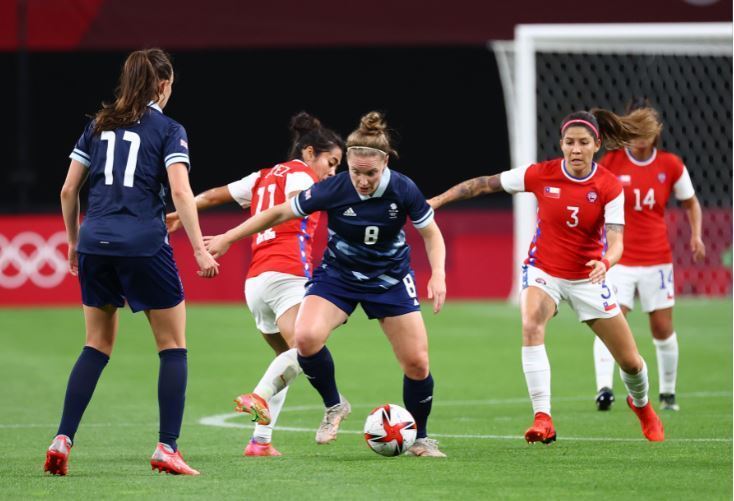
306	130
139	83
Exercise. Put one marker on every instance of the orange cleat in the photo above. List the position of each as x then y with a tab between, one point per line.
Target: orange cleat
542	429
254	404
652	427
57	456
256	449
165	460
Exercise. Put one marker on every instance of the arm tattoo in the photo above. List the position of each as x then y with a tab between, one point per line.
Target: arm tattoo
618	228
471	188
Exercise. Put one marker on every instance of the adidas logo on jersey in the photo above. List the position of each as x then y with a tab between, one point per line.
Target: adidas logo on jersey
349	212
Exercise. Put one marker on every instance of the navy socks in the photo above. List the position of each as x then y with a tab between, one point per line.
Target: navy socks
319	369
418	398
82	381
172	378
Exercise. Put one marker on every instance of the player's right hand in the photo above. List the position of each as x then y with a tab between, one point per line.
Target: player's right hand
73	260
208	266
172	222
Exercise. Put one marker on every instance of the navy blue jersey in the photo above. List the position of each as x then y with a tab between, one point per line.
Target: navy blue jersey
127	184
366	249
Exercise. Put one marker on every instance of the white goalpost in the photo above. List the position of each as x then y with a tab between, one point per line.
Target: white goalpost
685	69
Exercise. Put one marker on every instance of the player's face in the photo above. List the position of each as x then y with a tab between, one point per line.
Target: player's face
579	146
366	172
325	163
643	145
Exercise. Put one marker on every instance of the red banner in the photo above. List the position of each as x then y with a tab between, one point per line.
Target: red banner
33	258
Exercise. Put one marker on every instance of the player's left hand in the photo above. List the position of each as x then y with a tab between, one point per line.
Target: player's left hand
698	249
437	291
73	260
598	272
433	202
216	245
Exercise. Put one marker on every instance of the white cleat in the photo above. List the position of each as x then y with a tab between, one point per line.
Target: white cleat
426	447
332	418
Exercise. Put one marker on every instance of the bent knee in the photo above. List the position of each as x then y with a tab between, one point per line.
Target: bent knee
416	368
630	364
533	333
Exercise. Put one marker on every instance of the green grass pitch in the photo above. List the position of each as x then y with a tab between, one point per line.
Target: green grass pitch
481	410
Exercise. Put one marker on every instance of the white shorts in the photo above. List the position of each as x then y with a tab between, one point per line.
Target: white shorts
270	294
588	300
654	286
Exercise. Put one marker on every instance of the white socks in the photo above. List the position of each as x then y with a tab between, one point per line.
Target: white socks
603	365
273	387
263	434
536	367
637	385
667	351
282	370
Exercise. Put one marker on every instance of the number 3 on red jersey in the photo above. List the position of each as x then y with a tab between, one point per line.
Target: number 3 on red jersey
574	221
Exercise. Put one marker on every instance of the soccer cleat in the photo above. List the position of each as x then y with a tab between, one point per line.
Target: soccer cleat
257	449
332	418
604	399
57	456
426	447
165	460
652	427
542	429
667	402
253	404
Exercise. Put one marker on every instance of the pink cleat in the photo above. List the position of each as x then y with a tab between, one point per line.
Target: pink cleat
257	449
165	460
254	404
57	456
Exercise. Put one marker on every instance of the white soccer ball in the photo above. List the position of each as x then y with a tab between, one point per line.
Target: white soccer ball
390	430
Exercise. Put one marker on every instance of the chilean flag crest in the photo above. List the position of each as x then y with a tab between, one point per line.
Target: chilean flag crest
552	192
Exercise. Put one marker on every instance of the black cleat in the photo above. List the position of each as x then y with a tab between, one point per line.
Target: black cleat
604	399
667	402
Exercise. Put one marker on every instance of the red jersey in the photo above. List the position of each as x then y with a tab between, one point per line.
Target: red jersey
647	186
285	248
572	213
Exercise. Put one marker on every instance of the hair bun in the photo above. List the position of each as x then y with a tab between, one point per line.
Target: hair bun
373	123
303	123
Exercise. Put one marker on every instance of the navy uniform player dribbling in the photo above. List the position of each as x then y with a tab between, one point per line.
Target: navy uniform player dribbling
129	152
367	262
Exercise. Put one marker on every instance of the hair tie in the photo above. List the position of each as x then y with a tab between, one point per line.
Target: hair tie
366	148
583	122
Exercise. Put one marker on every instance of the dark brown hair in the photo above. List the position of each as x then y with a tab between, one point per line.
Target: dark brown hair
372	133
614	130
306	130
139	85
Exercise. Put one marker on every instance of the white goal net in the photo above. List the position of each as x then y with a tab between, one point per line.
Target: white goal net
685	70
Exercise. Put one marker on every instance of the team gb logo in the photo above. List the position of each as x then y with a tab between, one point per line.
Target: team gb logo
591	196
393	211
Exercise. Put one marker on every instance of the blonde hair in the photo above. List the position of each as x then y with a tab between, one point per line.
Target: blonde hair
371	135
618	131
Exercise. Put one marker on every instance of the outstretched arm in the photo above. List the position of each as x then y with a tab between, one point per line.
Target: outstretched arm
219	244
436	250
693	211
471	188
210	198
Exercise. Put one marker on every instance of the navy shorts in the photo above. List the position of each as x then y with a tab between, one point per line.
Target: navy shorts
395	301
147	283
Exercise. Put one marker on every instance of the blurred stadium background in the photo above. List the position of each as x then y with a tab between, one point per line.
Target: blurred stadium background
243	69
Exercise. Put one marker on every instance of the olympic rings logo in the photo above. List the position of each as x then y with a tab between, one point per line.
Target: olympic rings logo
44	254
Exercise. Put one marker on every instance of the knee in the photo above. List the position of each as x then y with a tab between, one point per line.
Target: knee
661	329
533	333
308	341
416	367
630	363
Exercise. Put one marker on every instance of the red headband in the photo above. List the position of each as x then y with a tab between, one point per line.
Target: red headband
582	122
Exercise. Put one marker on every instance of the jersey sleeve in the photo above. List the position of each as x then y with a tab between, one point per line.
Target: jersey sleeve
683	187
176	147
315	198
513	180
241	190
418	209
81	152
614	210
297	181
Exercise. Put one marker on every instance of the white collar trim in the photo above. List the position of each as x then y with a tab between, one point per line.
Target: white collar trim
578	179
641	163
384	181
155	106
